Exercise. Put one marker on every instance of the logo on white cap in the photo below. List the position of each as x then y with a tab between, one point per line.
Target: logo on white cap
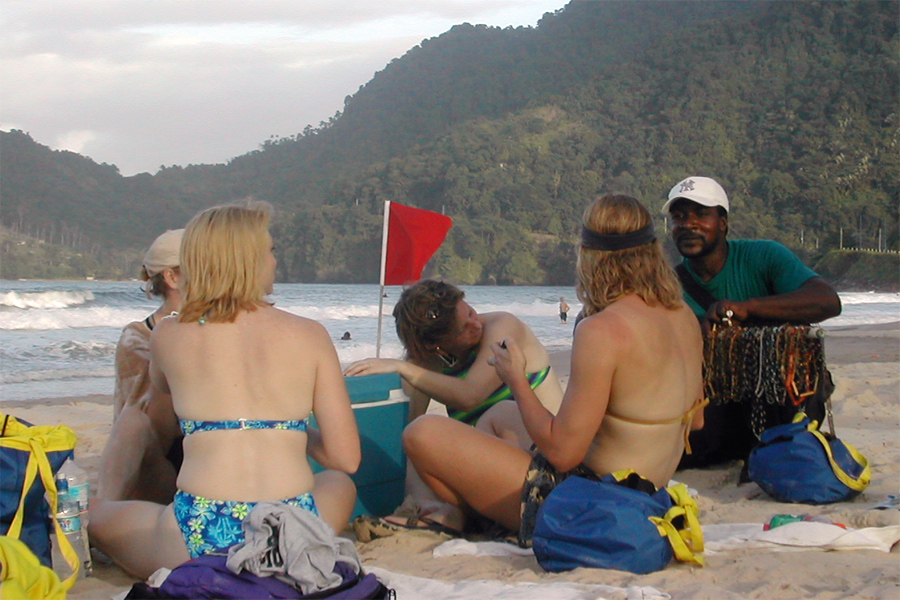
686	186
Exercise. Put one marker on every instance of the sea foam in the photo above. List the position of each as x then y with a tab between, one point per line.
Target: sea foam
66	318
48	299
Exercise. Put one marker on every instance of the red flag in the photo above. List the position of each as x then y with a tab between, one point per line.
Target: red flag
413	236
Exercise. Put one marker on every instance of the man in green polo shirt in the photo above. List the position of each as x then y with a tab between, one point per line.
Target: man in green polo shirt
735	282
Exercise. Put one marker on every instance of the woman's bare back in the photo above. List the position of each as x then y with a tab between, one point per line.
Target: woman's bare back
657	380
262	366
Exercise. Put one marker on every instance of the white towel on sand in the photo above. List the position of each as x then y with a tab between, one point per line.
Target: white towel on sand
407	586
803	535
461	547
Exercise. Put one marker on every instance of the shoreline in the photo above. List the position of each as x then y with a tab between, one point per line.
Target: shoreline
865	362
103	399
875	342
848	289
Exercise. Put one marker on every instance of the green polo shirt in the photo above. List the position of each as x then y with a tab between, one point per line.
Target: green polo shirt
754	269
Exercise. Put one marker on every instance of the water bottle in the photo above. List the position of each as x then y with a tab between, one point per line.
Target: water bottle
68	514
77	481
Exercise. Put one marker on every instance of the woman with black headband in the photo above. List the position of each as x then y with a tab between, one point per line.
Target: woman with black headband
633	395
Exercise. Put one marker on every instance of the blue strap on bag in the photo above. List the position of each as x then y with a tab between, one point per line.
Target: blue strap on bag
798	463
29	458
619	522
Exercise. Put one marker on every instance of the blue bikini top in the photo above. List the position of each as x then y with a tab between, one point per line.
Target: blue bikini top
189	426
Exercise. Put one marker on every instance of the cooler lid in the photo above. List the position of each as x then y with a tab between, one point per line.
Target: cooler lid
372	388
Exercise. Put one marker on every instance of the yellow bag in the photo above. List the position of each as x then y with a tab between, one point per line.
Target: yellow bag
23	576
29	457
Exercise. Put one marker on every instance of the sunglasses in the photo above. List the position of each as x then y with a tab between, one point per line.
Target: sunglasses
434	309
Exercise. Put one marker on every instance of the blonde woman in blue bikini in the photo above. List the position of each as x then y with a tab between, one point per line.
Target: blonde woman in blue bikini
243	382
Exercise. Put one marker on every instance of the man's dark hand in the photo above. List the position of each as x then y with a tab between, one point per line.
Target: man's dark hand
726	313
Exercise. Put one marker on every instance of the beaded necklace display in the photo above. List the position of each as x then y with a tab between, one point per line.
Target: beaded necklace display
763	366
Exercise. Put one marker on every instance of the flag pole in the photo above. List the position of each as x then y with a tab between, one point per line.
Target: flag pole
384	242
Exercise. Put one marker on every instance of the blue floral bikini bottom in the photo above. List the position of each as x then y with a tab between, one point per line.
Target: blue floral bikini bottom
213	525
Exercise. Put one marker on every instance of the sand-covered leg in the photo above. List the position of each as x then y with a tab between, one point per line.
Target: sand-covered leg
133	465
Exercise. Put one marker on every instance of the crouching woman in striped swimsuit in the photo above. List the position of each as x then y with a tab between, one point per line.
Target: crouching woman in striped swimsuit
243	381
448	344
633	394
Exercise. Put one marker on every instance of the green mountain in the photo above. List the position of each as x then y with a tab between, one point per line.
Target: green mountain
792	106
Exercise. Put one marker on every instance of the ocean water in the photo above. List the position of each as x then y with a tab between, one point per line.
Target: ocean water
58	338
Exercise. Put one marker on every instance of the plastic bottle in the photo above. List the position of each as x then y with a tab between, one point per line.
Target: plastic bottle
78	486
77	479
69	516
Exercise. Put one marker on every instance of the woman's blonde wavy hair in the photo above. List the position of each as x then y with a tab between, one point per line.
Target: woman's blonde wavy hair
221	257
605	276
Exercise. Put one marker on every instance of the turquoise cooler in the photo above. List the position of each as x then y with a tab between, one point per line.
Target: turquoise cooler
381	410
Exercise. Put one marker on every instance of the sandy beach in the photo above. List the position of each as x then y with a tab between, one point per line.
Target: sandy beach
865	362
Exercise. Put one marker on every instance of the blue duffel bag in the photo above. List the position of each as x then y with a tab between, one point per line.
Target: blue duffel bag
619	522
796	462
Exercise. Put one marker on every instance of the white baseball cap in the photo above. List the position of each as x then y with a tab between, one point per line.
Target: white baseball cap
164	252
701	190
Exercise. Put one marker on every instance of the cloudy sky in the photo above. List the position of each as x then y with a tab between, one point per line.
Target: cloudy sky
145	83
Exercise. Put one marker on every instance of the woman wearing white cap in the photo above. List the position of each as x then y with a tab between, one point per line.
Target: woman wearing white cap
135	464
160	271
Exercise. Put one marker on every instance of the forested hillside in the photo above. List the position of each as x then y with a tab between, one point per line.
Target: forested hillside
792	106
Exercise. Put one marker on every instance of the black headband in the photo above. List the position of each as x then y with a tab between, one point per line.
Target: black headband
617	241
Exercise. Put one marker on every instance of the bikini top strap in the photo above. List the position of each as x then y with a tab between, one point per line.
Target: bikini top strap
684	419
699	404
189	426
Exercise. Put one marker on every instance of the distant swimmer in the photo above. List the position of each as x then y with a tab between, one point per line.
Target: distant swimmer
346	335
563	310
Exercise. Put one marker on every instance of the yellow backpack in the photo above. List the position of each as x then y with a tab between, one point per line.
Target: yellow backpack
23	576
29	457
